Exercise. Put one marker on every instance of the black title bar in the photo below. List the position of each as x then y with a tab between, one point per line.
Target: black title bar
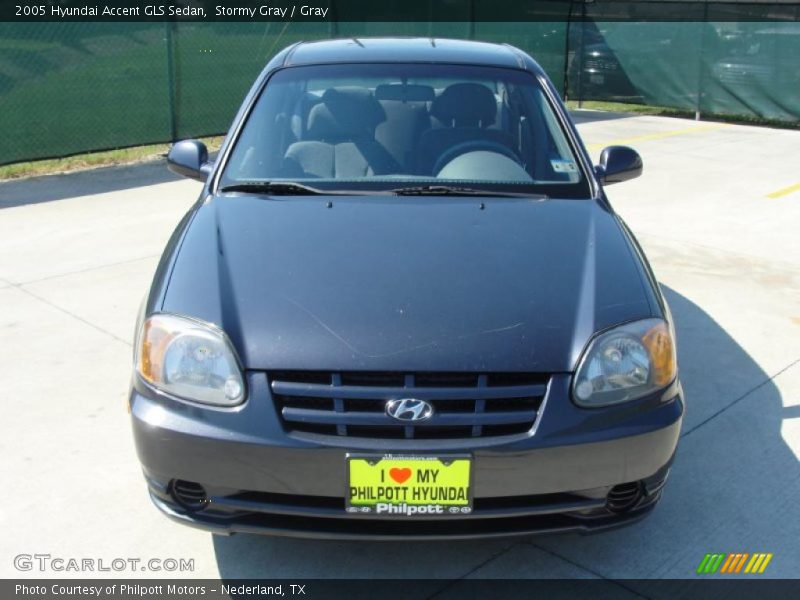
396	10
396	589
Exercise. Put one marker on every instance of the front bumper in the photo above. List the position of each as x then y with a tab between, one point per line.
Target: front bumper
260	479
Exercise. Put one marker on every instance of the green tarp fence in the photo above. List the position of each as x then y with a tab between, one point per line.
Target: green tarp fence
725	68
71	87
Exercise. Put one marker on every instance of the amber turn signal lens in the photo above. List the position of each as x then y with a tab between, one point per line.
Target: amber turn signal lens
658	342
155	340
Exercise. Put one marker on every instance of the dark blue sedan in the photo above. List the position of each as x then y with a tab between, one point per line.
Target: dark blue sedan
403	307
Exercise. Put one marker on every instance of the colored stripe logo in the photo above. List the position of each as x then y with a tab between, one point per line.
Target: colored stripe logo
734	562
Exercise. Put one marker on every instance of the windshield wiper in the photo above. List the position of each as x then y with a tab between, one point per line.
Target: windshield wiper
285	188
450	190
293	188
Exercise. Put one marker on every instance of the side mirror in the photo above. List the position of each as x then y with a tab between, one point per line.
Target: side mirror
618	163
190	159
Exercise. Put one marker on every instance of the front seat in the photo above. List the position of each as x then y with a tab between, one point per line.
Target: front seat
340	138
463	112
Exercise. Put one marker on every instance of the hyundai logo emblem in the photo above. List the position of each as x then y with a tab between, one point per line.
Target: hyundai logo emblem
409	409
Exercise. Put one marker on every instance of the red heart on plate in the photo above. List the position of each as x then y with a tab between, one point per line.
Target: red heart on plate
400	475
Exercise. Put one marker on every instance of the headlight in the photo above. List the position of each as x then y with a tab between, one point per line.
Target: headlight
625	363
189	359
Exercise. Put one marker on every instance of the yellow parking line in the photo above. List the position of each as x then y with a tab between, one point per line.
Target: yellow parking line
784	191
658	136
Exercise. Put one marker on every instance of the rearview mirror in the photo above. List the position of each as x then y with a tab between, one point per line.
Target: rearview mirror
618	163
190	159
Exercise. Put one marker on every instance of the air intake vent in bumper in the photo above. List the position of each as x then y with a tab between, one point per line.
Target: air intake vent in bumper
188	494
624	496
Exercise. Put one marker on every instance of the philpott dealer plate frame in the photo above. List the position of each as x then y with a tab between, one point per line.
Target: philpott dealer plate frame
401	475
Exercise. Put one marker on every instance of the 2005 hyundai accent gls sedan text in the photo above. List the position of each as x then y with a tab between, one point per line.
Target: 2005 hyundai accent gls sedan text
402	307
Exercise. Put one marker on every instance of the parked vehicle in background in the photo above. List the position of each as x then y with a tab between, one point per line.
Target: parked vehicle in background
758	69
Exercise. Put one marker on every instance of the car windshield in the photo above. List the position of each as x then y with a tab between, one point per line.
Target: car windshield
395	126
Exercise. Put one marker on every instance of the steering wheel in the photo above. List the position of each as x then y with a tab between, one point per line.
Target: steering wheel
474	146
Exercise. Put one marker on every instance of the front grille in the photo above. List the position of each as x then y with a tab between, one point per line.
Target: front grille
352	404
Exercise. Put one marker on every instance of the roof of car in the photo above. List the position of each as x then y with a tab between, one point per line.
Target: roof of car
438	50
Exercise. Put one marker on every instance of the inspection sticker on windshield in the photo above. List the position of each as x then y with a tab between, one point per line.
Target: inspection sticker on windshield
394	485
561	165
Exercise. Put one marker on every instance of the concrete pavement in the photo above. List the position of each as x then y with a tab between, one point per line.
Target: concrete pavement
76	256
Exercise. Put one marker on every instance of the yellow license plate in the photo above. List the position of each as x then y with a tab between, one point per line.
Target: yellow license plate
409	485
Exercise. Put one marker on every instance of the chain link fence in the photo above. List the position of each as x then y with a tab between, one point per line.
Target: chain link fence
71	87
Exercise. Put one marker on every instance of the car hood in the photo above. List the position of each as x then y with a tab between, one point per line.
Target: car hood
407	283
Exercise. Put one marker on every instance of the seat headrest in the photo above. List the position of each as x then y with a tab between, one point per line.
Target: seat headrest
345	113
465	104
